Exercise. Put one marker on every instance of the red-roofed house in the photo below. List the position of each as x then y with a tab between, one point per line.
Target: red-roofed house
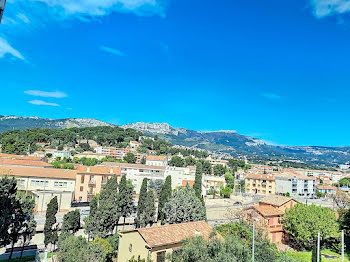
155	242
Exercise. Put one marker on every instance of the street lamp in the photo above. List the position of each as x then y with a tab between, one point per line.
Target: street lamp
253	242
2	8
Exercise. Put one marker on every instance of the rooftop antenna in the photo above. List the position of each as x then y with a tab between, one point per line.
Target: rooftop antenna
2	8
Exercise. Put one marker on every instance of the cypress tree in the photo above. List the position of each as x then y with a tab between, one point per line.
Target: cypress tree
150	209
141	205
126	199
164	196
50	231
197	186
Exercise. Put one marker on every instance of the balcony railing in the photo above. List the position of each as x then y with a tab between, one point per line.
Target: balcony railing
275	228
90	193
92	182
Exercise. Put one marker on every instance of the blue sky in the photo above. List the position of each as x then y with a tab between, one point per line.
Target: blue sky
276	70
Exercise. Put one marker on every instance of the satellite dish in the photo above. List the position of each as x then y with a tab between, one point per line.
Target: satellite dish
2	8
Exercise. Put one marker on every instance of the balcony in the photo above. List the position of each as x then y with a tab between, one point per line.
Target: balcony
275	228
92	183
90	193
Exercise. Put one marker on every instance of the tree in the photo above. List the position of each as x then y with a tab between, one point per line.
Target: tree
226	192
184	206
141	205
303	223
230	180
50	229
143	161
197	186
126	198
71	221
219	170
314	254
8	191
345	181
177	161
156	185
164	196
130	158
190	161
150	210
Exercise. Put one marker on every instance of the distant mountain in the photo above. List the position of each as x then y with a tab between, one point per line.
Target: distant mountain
18	122
232	143
225	142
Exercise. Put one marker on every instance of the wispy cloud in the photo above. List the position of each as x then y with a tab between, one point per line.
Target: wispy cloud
272	96
7	49
55	94
324	8
111	50
42	103
40	12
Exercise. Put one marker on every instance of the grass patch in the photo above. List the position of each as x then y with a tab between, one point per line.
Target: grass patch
306	256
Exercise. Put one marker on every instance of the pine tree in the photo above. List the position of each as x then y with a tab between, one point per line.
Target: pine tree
126	199
141	205
50	230
197	186
164	196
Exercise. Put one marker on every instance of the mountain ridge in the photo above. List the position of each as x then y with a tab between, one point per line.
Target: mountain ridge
221	142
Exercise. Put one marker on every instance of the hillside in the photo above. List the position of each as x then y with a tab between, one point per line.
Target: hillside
230	142
21	123
221	142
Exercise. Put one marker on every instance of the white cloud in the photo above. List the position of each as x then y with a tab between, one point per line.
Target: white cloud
271	96
42	103
324	8
111	50
55	94
7	49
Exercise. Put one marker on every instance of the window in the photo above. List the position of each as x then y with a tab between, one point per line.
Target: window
60	184
82	179
130	248
40	183
80	199
161	256
81	189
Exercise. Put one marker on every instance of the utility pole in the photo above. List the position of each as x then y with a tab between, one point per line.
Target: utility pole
342	245
2	8
318	247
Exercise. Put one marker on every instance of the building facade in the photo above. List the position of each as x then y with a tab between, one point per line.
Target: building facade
260	184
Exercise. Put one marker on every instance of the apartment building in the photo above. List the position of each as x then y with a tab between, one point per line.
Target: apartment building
325	189
89	154
260	184
152	160
332	175
134	144
90	181
295	184
44	184
214	161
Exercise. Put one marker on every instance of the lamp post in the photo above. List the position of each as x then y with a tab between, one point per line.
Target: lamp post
2	8
253	242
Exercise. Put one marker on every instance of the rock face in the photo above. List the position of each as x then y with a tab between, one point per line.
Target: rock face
18	122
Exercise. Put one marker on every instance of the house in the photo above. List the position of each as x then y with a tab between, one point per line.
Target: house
295	184
134	144
325	189
214	161
260	184
28	163
156	242
40	154
152	160
89	154
44	184
20	157
90	181
268	213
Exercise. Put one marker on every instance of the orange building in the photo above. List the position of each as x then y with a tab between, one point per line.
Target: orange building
269	212
90	180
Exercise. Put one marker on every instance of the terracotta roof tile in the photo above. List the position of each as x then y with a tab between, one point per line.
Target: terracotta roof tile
37	172
128	165
99	170
155	158
20	157
261	176
275	200
325	187
267	210
175	233
16	162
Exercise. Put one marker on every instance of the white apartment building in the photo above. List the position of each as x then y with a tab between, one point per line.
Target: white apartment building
44	184
295	184
334	176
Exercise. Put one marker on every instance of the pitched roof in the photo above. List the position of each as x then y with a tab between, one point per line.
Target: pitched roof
325	187
267	210
275	200
16	162
20	157
99	170
128	165
261	176
175	233
155	158
190	182
37	172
